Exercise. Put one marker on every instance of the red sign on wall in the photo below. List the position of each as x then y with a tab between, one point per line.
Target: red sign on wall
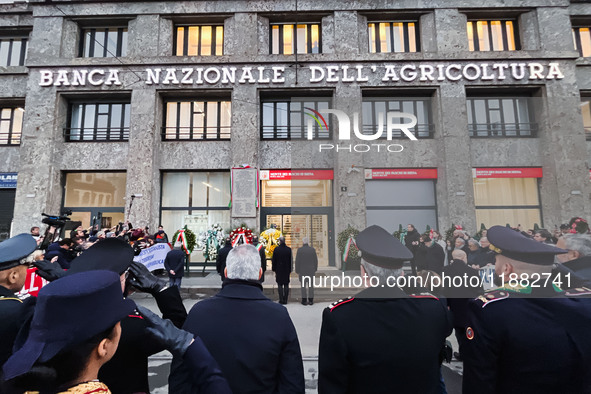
33	283
401	173
285	175
516	172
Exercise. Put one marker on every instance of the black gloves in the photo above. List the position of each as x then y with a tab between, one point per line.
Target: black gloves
176	340
143	280
48	270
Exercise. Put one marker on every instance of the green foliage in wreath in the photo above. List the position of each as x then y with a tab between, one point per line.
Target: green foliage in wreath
449	234
342	238
478	235
398	233
190	237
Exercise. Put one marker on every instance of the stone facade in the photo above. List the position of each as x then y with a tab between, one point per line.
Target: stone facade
560	147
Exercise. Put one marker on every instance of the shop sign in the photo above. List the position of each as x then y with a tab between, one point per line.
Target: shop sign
401	173
285	175
516	172
354	73
8	180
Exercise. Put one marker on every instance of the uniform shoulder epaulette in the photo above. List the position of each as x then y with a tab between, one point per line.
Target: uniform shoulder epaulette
340	302
492	296
579	291
2	298
423	295
136	314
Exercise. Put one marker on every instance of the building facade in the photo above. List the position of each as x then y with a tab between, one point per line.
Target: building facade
483	110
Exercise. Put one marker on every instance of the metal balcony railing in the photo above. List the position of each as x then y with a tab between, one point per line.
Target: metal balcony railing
509	130
196	133
96	134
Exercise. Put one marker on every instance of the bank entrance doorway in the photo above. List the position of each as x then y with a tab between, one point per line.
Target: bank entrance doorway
317	227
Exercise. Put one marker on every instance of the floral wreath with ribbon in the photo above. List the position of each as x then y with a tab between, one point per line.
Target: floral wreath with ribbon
210	241
186	238
578	226
269	238
241	235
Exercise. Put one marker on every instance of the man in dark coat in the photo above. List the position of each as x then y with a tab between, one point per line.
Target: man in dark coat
61	250
382	340
412	241
174	265
261	249
527	338
458	296
13	272
483	256
576	263
429	256
220	260
306	265
282	264
252	338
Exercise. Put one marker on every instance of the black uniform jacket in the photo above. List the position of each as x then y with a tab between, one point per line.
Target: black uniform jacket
282	263
382	341
306	263
127	371
14	313
529	345
459	296
220	261
252	338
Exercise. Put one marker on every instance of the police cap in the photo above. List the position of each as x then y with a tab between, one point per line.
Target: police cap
14	249
379	247
513	244
109	254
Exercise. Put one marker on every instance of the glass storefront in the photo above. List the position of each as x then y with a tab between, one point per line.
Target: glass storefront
95	198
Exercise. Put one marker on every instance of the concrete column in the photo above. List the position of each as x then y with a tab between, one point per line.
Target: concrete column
346	32
141	38
46	40
245	35
554	26
450	26
455	190
143	136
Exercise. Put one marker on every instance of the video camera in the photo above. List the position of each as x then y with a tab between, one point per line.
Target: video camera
57	221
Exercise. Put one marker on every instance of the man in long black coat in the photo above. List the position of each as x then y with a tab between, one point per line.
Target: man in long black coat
252	338
429	255
220	260
282	264
174	265
383	340
306	265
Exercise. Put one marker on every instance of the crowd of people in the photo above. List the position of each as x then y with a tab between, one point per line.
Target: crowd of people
82	334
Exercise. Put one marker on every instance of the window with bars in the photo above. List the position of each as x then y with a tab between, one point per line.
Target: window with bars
197	120
375	110
290	119
500	117
98	122
393	37
104	42
287	38
586	112
11	125
582	40
199	41
492	35
13	51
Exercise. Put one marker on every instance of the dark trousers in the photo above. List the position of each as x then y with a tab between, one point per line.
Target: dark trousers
308	285
462	340
283	292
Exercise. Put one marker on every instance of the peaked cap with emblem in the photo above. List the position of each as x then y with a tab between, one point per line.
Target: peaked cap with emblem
14	249
513	244
109	254
379	247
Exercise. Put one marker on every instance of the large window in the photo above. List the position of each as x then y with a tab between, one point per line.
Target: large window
586	112
507	200
96	198
488	35
104	42
199	41
287	38
582	40
196	200
98	122
500	117
11	125
393	37
13	51
391	203
197	120
290	119
375	110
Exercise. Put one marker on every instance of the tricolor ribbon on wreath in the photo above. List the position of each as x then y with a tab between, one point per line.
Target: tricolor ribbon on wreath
241	235
182	239
350	241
